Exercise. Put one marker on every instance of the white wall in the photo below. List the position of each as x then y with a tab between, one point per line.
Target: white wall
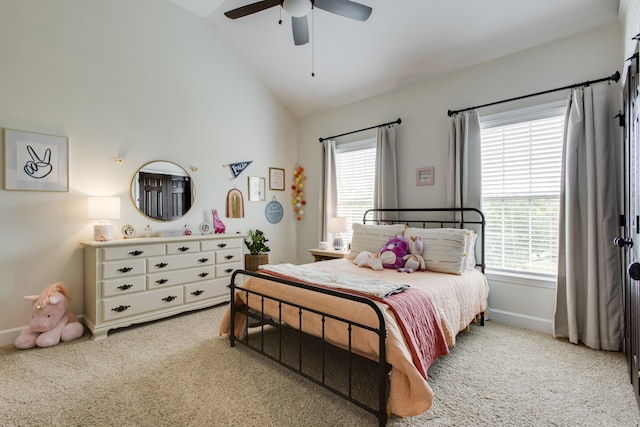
422	137
144	80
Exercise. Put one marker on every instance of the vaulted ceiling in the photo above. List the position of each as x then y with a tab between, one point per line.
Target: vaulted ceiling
402	42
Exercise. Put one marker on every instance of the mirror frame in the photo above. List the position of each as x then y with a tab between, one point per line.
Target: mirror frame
171	169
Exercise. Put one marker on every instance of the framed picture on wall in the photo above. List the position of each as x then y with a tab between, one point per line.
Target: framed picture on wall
276	179
35	161
256	188
424	176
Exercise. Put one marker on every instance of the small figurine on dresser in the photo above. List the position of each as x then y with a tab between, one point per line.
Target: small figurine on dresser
218	226
51	320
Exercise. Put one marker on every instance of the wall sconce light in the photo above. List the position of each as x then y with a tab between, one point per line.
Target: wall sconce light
103	209
338	225
119	160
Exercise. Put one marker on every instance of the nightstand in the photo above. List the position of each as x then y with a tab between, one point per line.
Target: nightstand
326	254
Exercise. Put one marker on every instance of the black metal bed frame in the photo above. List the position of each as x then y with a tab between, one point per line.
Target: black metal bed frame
383	368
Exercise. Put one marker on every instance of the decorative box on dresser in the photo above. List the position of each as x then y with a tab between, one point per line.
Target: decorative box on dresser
137	280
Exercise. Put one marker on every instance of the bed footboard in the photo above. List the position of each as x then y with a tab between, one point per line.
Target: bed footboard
268	334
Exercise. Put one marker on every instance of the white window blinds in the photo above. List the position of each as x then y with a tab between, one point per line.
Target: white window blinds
521	165
355	164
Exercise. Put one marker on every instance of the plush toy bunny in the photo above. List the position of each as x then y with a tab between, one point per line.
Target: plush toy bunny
368	259
51	320
413	260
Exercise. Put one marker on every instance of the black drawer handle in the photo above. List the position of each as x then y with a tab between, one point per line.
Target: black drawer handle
125	269
203	274
136	253
197	293
162	281
228	257
169	298
183	248
222	245
203	260
161	264
125	287
121	308
228	270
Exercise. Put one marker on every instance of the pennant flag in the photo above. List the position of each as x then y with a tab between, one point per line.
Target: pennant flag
237	168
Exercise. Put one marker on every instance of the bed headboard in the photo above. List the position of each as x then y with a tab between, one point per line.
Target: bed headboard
467	218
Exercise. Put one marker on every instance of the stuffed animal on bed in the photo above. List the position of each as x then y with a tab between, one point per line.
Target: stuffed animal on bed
393	252
51	320
368	259
414	261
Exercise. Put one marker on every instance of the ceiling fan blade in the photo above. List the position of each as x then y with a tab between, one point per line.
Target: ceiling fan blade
300	28
251	8
346	8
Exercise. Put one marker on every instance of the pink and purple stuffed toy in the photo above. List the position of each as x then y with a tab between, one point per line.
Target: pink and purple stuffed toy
51	320
393	252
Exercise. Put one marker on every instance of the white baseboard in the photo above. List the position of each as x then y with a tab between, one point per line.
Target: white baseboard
8	336
522	321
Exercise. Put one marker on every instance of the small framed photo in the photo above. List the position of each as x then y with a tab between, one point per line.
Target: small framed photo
35	161
276	179
256	189
424	176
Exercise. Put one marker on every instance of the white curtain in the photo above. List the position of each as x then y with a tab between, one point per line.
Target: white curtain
386	186
589	307
329	193
464	179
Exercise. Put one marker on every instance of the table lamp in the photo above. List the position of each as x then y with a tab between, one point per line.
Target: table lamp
338	225
103	209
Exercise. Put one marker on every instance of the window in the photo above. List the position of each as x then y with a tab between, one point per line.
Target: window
521	165
355	166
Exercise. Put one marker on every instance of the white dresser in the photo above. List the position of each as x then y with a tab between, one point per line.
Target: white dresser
138	280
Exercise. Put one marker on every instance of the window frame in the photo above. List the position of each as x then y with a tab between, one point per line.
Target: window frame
504	118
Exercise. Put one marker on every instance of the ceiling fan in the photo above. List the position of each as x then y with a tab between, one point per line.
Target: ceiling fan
298	9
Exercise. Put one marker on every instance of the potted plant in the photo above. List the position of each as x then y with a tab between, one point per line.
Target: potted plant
256	244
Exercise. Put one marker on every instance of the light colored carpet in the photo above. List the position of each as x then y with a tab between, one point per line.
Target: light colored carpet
179	372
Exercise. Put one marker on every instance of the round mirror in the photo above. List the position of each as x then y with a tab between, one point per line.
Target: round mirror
162	191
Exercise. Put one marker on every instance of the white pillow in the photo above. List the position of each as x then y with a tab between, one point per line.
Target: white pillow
444	248
372	238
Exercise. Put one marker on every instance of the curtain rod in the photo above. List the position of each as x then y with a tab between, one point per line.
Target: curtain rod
397	122
614	77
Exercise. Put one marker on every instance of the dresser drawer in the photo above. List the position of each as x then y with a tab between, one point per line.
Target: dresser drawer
183	247
227	269
123	268
175	262
206	289
137	251
123	286
176	277
129	305
228	255
208	245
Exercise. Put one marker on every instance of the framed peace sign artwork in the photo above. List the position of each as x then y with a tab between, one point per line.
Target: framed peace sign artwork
35	161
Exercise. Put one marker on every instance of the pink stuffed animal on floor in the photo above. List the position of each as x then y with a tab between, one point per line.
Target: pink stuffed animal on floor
51	320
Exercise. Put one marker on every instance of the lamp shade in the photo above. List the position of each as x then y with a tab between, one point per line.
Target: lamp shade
104	207
297	8
338	225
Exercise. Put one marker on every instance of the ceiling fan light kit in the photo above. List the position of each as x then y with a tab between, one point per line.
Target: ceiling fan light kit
297	8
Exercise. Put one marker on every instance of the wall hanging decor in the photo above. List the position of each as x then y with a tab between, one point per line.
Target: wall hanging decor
256	189
276	179
273	211
235	204
297	192
237	168
424	176
34	161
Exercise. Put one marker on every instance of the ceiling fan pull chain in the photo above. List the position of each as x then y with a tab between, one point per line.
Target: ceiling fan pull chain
313	41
